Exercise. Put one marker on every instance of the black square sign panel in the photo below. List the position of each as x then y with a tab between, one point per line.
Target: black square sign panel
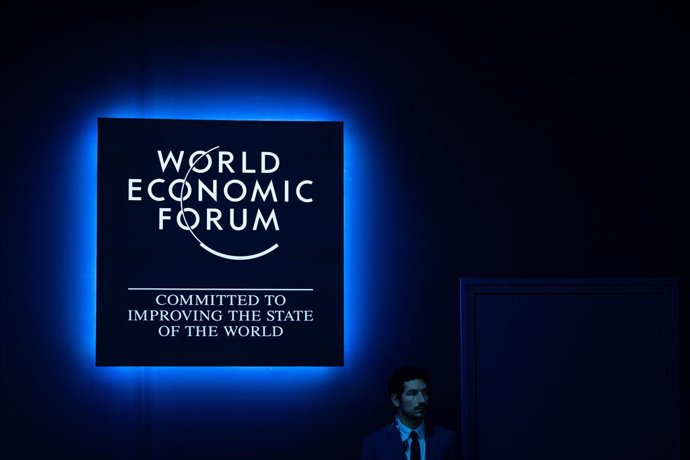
220	243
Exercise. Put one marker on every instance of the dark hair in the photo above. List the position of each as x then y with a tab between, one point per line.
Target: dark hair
396	382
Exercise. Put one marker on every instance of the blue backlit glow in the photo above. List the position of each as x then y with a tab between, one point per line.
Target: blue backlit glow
79	282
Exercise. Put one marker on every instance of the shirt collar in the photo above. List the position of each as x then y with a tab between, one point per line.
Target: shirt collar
405	430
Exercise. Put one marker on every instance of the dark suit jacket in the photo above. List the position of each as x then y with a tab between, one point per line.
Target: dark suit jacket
385	444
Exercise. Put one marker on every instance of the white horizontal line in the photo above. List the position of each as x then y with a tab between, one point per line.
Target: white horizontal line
217	289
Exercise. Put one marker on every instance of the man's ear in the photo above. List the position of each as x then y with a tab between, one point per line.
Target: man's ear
395	400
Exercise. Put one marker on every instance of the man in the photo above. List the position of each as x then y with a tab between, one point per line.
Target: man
409	437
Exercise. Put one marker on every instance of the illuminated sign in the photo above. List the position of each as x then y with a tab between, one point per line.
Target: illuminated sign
219	243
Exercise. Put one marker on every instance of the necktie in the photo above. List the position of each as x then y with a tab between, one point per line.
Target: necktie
415	452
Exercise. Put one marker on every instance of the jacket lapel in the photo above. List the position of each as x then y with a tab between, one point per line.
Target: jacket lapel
430	444
395	443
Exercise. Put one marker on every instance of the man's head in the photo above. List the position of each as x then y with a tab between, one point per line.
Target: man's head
409	392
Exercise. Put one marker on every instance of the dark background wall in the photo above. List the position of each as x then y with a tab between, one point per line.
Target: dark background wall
501	141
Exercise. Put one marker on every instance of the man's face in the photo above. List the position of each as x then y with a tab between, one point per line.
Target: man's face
413	401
